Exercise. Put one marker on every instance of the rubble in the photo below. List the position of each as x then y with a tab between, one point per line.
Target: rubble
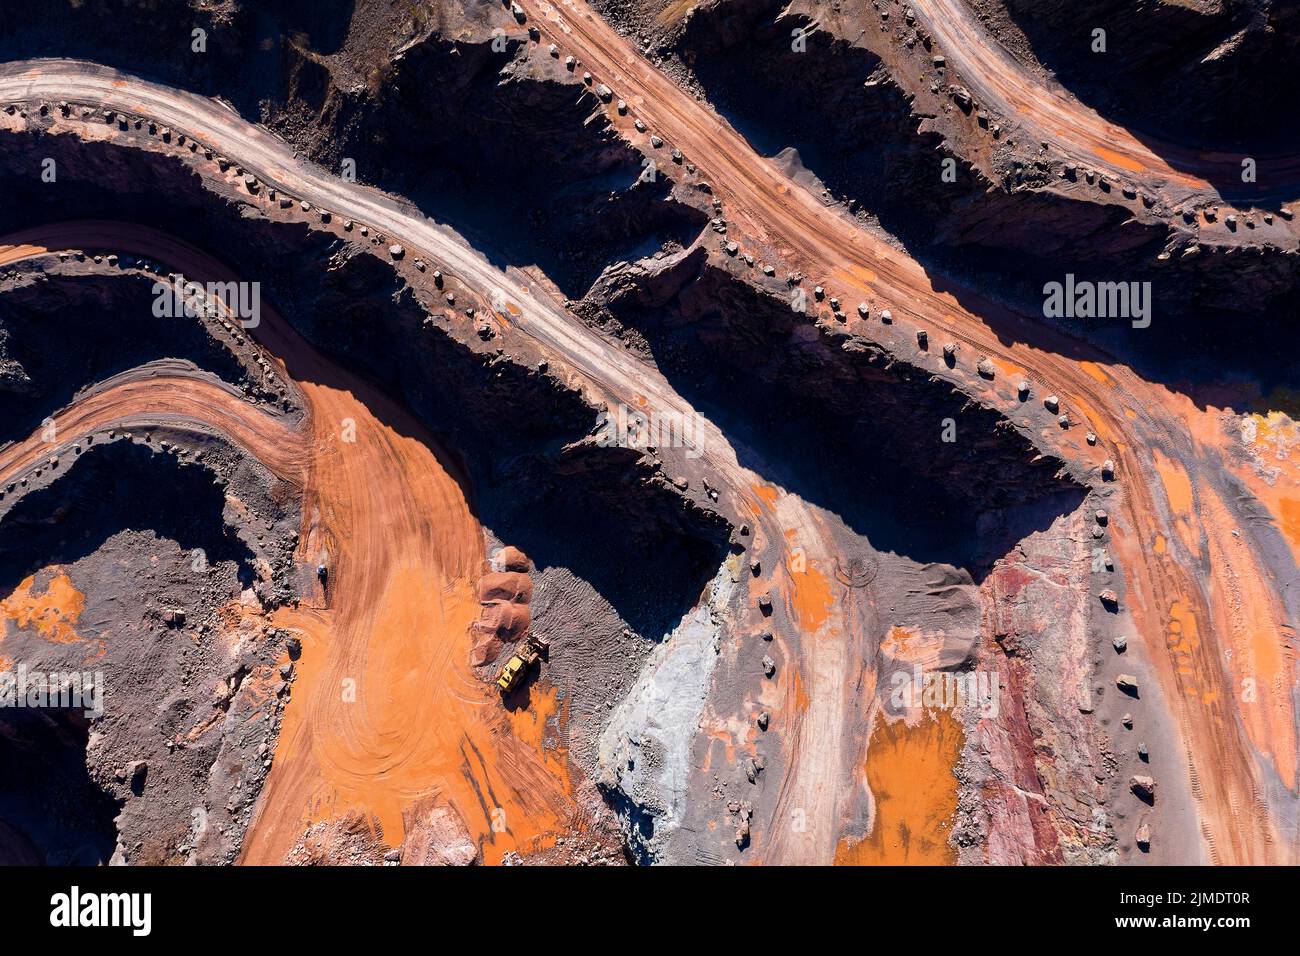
1144	787
1143	837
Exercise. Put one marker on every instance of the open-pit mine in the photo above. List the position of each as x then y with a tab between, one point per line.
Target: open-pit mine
626	432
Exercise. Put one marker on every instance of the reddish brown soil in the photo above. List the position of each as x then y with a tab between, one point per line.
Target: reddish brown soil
779	221
386	713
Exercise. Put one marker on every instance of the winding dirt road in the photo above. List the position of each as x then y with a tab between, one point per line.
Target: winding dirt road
1052	114
1190	547
1177	466
372	507
820	748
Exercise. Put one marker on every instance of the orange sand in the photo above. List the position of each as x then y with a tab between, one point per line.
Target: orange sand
909	770
384	714
385	710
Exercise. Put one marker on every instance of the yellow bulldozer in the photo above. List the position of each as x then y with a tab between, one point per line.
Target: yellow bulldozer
516	669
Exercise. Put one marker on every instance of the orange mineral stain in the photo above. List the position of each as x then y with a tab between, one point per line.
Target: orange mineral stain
766	494
898	641
53	613
1290	508
909	770
1183	633
1118	159
1178	487
810	599
797	696
1097	372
